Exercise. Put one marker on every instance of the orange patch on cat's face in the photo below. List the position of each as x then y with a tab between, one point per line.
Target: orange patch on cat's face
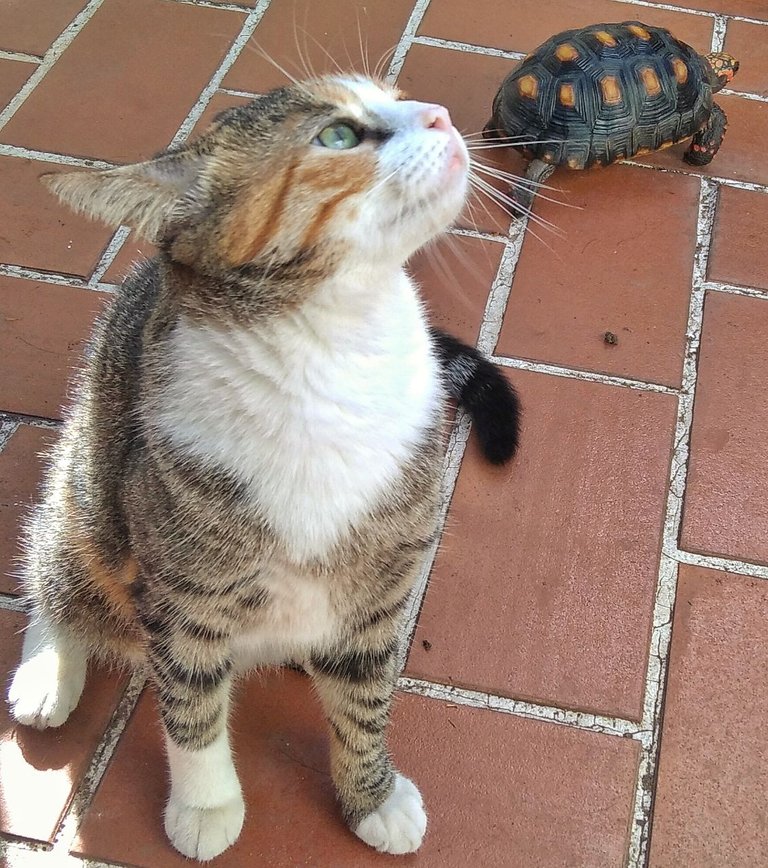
300	201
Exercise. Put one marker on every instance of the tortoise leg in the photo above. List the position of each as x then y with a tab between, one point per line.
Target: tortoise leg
537	173
707	141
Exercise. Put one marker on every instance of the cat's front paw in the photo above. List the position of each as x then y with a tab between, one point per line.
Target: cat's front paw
399	824
202	833
45	689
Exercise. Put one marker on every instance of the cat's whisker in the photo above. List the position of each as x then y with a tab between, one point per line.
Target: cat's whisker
521	181
507	201
255	47
477	164
385	58
505	197
527	184
303	54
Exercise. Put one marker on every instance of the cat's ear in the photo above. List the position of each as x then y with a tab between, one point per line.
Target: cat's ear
144	196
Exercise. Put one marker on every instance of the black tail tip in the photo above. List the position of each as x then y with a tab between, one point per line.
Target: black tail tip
497	418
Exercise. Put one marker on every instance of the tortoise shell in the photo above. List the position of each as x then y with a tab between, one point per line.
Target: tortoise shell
604	93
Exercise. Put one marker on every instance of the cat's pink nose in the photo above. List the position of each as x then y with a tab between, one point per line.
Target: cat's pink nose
435	117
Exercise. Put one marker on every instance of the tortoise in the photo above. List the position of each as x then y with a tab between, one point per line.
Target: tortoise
608	92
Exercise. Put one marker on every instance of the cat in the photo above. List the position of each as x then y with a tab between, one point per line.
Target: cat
249	473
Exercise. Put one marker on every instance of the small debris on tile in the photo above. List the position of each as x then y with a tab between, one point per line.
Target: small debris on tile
426	644
610	338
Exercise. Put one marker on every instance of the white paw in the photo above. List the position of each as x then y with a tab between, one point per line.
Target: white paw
46	688
202	833
399	824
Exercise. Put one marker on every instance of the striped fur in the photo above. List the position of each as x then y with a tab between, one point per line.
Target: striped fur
249	472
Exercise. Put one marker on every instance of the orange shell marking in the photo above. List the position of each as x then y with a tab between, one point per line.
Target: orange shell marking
611	90
566	52
650	81
567	95
640	32
605	37
528	86
680	70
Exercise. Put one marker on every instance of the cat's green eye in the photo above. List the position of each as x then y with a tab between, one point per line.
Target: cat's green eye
340	137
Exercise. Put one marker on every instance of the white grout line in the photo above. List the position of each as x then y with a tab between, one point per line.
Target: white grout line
615	726
12	603
234	92
208	4
8	427
48	157
108	256
467	48
587	376
667	581
495	307
82	798
54	277
720	25
753	96
749	291
457	442
454	453
725	182
20	56
32	421
465	232
252	18
714	562
406	39
60	44
688	11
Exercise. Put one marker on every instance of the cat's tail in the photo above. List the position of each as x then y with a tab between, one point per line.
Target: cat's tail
484	392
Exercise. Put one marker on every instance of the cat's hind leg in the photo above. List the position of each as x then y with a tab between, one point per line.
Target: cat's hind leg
48	683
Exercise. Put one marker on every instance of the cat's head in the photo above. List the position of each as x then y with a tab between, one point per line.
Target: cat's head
325	171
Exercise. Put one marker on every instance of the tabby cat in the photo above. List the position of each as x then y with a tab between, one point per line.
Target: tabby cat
249	472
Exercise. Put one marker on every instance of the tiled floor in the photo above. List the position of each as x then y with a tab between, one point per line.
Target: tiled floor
586	681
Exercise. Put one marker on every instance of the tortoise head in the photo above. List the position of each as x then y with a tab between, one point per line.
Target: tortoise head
723	67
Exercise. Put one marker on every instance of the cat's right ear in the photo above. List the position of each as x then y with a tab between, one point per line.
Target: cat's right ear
146	196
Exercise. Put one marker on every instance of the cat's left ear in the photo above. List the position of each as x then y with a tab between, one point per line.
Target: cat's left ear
146	196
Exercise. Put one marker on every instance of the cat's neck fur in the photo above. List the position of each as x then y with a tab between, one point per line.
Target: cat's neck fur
314	410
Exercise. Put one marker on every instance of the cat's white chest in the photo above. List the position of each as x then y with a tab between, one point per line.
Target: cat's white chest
316	415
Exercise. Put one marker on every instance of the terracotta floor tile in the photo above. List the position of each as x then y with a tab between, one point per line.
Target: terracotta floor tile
499	790
456	276
30	26
305	37
527	23
13	74
710	797
726	511
136	70
40	770
739	254
134	251
40	352
21	467
465	84
740	157
748	43
544	584
39	232
603	275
